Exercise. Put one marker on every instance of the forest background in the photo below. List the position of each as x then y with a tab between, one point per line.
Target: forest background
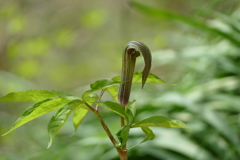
66	45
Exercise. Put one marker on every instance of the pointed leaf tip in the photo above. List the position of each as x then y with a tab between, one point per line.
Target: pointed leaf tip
161	121
60	118
79	114
149	135
100	85
115	107
38	110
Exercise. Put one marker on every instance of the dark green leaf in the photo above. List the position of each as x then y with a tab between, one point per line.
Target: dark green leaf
39	109
149	136
160	121
59	119
32	95
79	114
137	77
123	134
100	85
115	107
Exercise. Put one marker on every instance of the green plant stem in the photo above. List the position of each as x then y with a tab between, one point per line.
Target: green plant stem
122	152
122	122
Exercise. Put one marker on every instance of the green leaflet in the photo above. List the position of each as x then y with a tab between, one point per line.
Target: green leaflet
100	85
115	107
79	114
130	111
123	134
59	119
92	97
32	95
160	121
61	93
132	107
149	136
137	77
39	109
113	91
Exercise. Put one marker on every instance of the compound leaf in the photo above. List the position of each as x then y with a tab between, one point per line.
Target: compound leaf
39	109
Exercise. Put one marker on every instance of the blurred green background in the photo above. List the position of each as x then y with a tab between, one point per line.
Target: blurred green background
66	45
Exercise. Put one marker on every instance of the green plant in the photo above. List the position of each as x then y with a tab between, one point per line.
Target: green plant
49	100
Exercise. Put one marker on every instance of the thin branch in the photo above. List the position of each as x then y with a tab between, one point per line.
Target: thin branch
121	152
114	142
99	99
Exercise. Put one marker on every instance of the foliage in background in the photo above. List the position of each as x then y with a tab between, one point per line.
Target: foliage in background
202	58
208	93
